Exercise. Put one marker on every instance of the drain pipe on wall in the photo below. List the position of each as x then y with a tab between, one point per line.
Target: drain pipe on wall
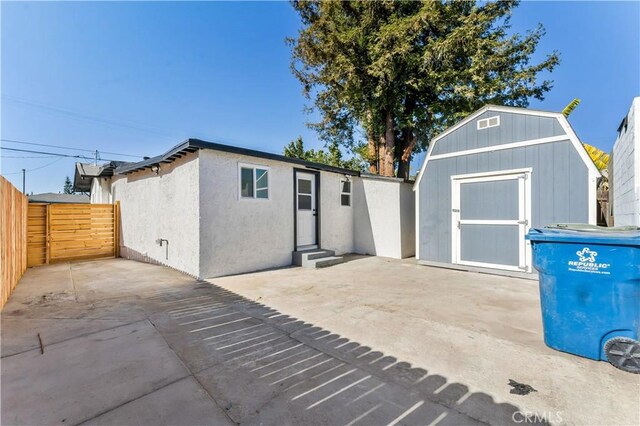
159	241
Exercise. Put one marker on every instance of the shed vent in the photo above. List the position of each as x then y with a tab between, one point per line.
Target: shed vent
489	122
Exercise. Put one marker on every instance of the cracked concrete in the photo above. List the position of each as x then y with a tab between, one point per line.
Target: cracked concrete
143	344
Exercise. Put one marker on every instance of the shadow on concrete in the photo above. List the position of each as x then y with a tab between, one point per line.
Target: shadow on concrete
263	366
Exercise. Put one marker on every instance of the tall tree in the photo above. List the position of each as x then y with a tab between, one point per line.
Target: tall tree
332	157
68	186
399	72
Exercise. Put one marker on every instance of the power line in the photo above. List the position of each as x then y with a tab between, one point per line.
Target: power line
77	115
57	154
26	156
69	148
33	170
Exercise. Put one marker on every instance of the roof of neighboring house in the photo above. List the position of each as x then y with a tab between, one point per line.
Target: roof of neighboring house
192	145
52	197
85	172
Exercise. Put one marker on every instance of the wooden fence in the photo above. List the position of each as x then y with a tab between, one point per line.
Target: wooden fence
65	232
13	238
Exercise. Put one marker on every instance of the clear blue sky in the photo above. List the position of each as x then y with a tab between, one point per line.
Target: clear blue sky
138	78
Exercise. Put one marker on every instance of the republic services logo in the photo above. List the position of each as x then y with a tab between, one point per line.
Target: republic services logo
587	263
587	255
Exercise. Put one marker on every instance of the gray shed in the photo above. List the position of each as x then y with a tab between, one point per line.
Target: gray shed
490	178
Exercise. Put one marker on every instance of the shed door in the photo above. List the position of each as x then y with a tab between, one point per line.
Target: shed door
490	218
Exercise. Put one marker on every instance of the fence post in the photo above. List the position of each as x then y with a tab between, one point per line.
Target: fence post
116	228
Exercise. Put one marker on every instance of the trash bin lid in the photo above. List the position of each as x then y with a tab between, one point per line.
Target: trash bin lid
582	232
590	228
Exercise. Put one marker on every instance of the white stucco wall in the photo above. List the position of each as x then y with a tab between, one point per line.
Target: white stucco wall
336	221
384	217
625	179
164	205
194	203
242	235
101	191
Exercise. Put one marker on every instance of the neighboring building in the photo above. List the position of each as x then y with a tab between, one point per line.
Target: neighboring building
95	180
56	198
490	178
210	210
624	175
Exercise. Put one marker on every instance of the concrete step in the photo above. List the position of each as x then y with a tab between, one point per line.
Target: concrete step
303	256
323	262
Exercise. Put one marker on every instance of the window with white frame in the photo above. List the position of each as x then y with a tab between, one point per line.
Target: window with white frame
345	193
489	122
254	181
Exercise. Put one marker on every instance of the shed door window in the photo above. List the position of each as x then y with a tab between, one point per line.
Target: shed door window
254	182
345	193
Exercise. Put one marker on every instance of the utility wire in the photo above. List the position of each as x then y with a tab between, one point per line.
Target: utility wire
27	156
77	115
54	154
33	170
68	147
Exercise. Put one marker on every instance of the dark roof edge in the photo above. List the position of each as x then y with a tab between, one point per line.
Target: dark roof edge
191	145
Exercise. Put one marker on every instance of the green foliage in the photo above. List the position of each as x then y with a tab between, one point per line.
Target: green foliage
331	157
569	108
68	186
403	71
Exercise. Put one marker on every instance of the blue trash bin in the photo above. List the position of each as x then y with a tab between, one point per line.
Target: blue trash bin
590	291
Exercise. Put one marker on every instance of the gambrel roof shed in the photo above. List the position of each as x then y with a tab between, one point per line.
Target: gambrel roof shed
490	178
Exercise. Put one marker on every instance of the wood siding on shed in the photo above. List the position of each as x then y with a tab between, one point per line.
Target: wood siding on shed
559	178
513	128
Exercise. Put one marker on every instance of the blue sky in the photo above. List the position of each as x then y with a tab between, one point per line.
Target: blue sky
138	78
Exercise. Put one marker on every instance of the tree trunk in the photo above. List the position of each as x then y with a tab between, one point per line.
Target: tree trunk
387	156
381	154
373	152
409	141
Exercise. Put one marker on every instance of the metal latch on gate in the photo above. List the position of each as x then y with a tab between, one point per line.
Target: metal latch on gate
523	222
455	210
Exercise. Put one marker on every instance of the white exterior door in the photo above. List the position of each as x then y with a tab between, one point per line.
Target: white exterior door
306	210
491	215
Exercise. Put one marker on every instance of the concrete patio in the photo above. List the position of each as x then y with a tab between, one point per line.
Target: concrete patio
371	341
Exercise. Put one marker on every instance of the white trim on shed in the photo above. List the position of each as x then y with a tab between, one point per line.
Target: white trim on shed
571	135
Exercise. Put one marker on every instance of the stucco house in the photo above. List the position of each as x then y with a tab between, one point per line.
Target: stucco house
490	178
95	180
624	170
210	210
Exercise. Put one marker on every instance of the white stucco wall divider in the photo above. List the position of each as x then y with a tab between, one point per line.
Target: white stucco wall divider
624	173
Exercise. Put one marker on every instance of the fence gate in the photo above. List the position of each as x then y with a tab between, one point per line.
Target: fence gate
64	232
